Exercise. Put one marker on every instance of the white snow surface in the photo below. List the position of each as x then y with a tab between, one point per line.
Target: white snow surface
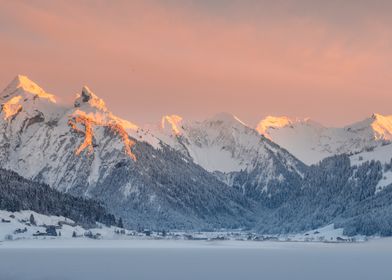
40	138
381	153
151	259
20	220
12	221
311	142
221	143
385	181
44	140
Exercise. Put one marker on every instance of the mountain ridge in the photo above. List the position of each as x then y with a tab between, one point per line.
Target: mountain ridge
311	142
87	151
181	174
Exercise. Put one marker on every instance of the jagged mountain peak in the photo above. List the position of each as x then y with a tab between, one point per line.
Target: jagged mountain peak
22	85
88	105
175	124
377	125
88	99
311	142
221	143
24	95
87	94
90	114
26	107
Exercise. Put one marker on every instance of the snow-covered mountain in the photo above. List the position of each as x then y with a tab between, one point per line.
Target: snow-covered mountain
221	143
310	141
382	154
40	138
200	174
235	152
86	150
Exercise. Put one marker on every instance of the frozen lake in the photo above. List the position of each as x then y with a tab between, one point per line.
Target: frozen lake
143	260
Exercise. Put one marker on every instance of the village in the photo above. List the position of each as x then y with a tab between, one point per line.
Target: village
31	225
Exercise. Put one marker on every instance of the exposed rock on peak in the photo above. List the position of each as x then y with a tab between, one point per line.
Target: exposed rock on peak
91	114
88	99
86	94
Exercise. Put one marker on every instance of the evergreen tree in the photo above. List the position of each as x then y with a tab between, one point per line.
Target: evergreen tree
18	193
32	220
120	223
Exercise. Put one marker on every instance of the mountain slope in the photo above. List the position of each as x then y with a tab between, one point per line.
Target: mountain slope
218	173
335	192
234	152
311	142
87	151
382	154
18	193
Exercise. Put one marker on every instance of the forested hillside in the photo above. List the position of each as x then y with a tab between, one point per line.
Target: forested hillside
18	193
336	192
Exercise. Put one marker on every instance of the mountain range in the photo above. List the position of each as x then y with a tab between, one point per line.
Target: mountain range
310	141
285	175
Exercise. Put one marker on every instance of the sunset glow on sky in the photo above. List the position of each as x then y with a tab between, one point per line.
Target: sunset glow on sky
327	60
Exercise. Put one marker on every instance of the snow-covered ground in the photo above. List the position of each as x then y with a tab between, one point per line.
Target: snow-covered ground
182	255
16	226
168	259
384	155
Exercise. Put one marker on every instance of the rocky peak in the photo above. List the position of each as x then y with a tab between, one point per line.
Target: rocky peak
88	99
23	86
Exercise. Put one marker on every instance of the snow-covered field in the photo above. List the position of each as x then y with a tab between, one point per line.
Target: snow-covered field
169	259
324	253
15	226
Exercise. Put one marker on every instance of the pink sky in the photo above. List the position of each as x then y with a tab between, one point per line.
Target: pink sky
327	60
